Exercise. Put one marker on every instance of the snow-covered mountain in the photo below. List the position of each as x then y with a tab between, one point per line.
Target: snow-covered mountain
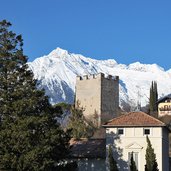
57	73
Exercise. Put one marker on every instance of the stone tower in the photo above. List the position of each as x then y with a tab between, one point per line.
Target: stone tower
98	96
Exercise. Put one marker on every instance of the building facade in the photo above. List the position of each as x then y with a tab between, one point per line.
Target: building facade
164	106
128	133
98	96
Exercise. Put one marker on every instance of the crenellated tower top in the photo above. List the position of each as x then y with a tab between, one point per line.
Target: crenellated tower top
97	76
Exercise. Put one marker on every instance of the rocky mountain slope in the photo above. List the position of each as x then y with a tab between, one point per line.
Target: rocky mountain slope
57	73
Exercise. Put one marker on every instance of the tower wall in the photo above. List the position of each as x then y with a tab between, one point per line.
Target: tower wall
109	97
99	97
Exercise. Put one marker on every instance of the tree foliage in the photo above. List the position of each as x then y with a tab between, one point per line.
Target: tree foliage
30	137
153	97
132	164
151	163
80	127
112	162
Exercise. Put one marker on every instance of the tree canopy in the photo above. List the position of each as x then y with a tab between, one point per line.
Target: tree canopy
153	97
79	126
30	137
112	162
132	164
151	163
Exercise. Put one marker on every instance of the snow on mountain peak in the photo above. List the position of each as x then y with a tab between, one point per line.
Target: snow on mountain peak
58	52
57	73
145	67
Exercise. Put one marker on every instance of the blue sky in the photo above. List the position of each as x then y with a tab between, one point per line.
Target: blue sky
127	31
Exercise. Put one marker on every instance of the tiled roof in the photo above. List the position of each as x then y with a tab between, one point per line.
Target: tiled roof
88	148
162	99
134	119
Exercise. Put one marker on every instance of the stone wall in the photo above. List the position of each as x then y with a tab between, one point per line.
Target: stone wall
99	97
109	97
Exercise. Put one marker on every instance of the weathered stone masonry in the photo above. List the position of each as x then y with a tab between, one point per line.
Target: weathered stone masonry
99	96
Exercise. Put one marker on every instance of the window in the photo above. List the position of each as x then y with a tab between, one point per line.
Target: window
146	131
135	157
120	131
165	107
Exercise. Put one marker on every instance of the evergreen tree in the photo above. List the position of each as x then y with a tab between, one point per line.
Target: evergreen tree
30	137
132	164
112	162
153	97
77	123
151	164
146	168
155	166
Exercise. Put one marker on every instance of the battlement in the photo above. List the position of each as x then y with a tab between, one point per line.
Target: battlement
98	95
97	76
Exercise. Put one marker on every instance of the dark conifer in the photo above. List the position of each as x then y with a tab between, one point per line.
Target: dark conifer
155	166
30	138
112	162
151	164
78	124
132	164
153	97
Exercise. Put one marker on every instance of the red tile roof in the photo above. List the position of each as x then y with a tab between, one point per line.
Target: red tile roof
134	119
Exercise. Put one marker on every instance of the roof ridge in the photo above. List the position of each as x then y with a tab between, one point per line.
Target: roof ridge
154	118
135	118
117	117
148	116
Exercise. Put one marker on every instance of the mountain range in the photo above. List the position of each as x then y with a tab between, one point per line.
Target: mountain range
56	74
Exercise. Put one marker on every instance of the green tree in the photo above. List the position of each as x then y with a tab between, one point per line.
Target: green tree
78	124
112	162
30	137
151	164
132	164
155	166
153	97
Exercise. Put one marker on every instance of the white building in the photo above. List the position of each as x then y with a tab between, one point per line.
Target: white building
127	134
164	106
